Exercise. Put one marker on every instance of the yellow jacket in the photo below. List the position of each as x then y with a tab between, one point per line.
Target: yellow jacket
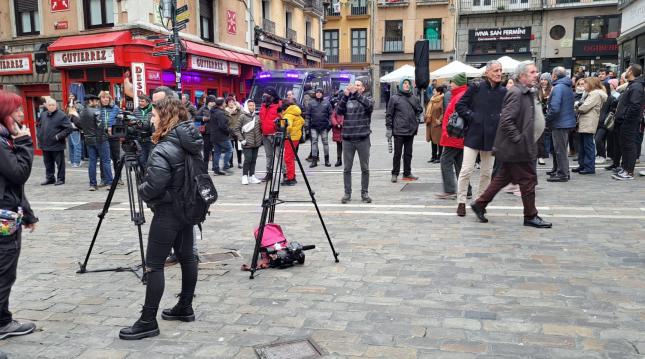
295	122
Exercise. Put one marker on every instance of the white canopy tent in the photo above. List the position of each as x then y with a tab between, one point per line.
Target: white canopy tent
403	72
509	65
453	69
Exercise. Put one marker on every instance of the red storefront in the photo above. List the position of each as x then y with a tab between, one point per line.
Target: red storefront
119	63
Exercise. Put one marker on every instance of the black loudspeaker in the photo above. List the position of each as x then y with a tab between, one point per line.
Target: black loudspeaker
422	64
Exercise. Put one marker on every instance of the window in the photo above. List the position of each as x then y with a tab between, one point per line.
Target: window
432	33
557	32
597	28
266	9
330	44
482	3
359	45
308	28
27	22
393	40
359	7
98	13
288	21
481	48
207	28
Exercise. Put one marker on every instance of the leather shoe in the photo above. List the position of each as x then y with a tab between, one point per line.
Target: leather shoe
537	222
576	170
557	179
551	173
585	172
47	183
58	183
479	212
461	210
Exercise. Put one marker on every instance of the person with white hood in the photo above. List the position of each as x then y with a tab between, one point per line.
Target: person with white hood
249	133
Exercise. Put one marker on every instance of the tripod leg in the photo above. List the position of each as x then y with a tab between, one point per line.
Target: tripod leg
258	240
144	276
278	158
106	207
313	200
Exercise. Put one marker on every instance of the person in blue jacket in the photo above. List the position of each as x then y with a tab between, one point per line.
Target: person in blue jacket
560	119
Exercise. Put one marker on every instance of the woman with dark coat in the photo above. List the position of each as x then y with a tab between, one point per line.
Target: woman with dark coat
174	138
337	130
16	158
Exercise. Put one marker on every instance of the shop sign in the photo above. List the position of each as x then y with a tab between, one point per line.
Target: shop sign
16	65
138	80
595	48
633	15
500	34
208	64
84	57
59	5
154	75
61	25
233	68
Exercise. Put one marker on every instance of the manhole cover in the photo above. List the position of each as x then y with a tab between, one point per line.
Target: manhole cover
296	349
422	187
217	257
91	206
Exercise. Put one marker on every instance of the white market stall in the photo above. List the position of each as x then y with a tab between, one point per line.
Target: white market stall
453	69
403	72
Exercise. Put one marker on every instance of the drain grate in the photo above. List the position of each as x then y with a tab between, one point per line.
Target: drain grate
295	349
89	206
217	257
422	187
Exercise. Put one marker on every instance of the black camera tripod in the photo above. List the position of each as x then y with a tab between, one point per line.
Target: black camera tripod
271	196
129	160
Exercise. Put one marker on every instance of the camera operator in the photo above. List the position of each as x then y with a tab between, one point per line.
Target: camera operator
95	126
108	114
143	114
174	138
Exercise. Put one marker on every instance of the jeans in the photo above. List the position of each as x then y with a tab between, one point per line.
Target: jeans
560	159
250	157
402	144
75	147
451	159
101	150
521	173
226	148
350	148
52	160
167	232
324	135
267	142
208	150
146	148
9	254
290	158
115	152
467	169
587	152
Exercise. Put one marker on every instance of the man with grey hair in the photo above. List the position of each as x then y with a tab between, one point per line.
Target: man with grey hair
560	118
52	128
480	108
162	92
520	125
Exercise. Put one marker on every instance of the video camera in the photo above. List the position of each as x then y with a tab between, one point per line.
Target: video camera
129	128
287	256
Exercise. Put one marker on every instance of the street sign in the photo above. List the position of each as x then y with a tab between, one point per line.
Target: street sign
182	9
183	16
182	22
157	37
163	53
180	27
164	43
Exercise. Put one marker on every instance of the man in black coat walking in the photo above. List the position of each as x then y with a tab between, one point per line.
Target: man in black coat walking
52	129
401	121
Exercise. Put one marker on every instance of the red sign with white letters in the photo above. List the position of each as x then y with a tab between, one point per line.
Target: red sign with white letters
59	5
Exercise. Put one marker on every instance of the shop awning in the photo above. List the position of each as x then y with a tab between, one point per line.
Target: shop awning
221	54
94	40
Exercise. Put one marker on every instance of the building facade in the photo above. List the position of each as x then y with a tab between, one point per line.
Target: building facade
632	34
400	23
347	35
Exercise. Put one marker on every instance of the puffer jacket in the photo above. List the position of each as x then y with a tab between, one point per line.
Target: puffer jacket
16	158
402	114
318	115
589	111
295	122
268	115
446	140
53	128
217	125
253	137
629	110
165	168
561	114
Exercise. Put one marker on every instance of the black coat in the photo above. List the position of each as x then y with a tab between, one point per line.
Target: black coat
165	168
402	116
94	127
15	169
318	115
515	140
630	104
480	107
52	129
217	125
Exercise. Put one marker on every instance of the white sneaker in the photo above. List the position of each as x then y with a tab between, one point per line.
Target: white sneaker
541	161
245	180
600	160
254	180
642	173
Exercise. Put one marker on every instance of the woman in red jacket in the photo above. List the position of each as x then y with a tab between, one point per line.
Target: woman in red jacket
453	148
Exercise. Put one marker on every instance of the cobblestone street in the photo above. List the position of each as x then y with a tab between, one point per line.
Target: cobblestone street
414	280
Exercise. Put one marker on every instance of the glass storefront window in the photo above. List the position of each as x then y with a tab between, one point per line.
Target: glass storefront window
582	29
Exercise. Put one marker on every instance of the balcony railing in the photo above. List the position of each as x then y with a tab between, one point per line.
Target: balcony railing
297	3
329	11
434	45
358	10
393	44
432	2
558	4
314	7
488	6
311	42
393	3
268	26
345	56
292	35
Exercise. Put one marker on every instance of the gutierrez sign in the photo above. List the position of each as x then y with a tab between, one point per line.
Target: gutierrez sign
15	65
84	57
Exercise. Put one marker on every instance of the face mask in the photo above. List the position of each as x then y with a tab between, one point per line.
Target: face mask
580	89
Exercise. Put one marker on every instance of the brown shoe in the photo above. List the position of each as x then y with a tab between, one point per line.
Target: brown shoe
446	195
461	210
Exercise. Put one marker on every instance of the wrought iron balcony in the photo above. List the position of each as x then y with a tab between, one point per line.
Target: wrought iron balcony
559	4
292	35
393	3
297	3
356	55
358	10
432	2
268	26
330	11
492	6
311	42
393	43
314	7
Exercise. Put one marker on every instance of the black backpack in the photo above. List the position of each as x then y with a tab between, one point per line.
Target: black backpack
193	200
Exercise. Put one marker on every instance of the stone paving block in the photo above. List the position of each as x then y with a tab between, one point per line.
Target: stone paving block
389	352
566	330
510	327
464	347
104	354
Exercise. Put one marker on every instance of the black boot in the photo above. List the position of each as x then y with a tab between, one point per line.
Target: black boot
314	162
182	311
327	163
339	162
145	327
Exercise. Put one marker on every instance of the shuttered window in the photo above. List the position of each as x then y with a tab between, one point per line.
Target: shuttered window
27	20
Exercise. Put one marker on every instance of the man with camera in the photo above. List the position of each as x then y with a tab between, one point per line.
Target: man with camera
144	127
95	127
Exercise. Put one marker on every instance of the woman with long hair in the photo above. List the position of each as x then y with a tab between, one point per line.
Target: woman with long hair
544	142
588	118
16	158
174	138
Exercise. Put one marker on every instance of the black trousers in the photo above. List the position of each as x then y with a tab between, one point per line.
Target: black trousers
9	253
250	158
167	232
239	153
601	138
402	144
339	150
52	160
115	152
208	149
436	150
629	145
616	152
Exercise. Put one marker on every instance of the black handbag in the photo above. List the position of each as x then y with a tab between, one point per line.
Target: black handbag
455	126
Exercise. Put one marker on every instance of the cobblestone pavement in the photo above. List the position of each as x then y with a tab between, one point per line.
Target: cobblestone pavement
414	280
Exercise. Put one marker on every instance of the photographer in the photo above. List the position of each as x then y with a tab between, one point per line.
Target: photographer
16	159
94	126
108	114
143	114
174	139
